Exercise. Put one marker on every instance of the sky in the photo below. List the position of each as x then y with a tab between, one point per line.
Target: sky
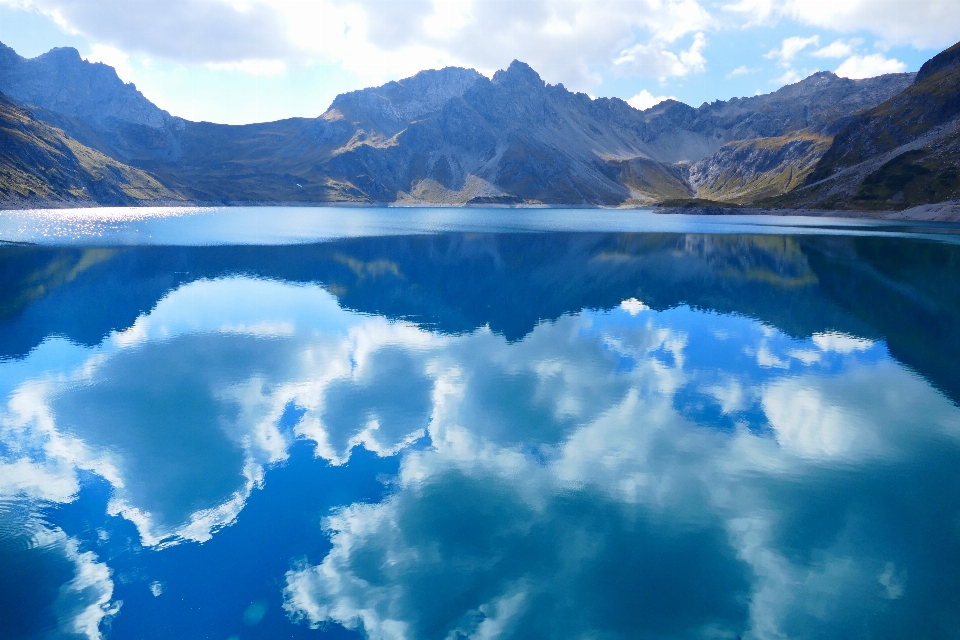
242	61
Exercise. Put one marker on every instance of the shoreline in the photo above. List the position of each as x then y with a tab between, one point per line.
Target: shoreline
940	212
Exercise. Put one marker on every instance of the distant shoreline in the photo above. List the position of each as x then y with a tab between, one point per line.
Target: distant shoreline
941	212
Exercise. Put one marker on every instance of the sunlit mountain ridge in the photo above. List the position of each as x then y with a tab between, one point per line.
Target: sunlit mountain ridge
455	137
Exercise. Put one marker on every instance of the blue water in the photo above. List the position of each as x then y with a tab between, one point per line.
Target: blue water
192	226
345	423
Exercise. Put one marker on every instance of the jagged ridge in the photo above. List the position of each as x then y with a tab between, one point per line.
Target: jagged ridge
454	136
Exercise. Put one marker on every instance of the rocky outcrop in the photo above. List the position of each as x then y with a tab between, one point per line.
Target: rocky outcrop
387	110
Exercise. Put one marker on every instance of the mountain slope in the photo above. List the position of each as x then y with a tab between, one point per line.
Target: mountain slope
819	103
514	138
90	103
454	136
903	152
932	100
742	172
41	163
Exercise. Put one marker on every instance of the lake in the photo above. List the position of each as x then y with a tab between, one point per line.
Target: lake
436	423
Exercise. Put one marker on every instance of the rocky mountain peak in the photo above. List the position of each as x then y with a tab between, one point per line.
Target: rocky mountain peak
814	83
391	106
63	82
518	74
7	57
63	55
941	61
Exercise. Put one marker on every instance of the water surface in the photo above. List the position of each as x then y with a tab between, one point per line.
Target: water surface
478	428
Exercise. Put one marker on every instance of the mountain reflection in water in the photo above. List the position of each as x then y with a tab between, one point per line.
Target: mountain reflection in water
546	435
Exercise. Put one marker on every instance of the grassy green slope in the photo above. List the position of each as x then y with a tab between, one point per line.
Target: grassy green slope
915	177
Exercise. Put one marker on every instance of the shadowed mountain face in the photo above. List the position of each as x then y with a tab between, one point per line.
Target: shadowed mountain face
455	283
453	136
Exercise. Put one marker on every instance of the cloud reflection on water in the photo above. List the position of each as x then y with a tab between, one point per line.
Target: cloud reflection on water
484	541
572	484
51	588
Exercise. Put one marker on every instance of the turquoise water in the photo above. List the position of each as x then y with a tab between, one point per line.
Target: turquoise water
455	424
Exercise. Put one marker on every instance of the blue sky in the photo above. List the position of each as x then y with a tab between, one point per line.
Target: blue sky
240	61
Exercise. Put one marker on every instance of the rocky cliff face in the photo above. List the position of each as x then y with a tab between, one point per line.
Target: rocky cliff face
455	136
386	110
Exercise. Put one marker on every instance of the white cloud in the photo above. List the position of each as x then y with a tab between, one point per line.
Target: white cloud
113	57
642	101
840	342
791	47
633	306
806	356
642	455
731	396
58	578
855	416
379	40
253	67
857	67
809	424
179	30
87	598
837	49
655	60
789	76
752	13
920	23
742	70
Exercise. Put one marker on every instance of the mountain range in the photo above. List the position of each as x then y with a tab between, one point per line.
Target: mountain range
73	132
